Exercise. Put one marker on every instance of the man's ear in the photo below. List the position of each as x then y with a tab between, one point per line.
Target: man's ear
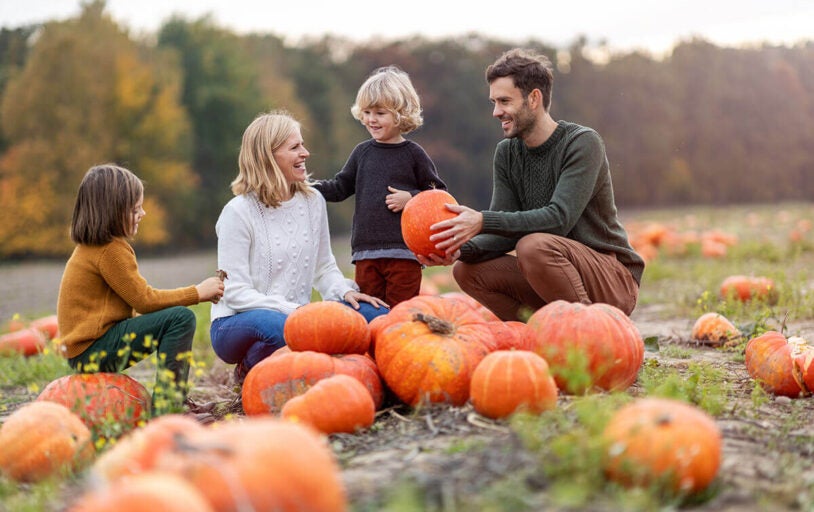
535	99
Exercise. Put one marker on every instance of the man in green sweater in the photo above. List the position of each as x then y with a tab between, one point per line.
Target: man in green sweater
552	231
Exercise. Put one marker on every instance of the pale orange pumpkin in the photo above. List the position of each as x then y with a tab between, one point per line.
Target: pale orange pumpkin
258	463
662	441
277	379
47	325
159	491
329	327
587	346
137	451
508	381
339	403
714	329
783	366
41	440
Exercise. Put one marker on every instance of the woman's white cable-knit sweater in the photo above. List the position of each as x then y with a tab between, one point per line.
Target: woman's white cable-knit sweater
273	257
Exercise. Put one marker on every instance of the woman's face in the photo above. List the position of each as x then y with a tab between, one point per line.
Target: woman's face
290	157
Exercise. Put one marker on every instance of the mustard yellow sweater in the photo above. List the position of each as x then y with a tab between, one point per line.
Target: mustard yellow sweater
102	286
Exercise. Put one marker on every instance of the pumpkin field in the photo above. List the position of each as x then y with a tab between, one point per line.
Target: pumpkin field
701	400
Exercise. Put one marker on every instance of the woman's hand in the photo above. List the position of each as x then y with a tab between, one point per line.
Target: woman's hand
210	289
353	298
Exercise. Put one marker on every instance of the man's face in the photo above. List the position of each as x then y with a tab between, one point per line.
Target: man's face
516	118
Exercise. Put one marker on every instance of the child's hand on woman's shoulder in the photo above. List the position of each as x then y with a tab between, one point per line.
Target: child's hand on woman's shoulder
210	289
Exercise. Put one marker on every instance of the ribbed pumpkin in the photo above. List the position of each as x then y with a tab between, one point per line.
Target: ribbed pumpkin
783	366
429	348
662	441
508	381
587	346
27	341
329	327
335	404
100	398
43	439
422	211
482	310
258	463
745	288
511	334
277	379
714	329
158	491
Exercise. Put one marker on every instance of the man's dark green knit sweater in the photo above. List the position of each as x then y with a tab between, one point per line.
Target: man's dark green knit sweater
562	187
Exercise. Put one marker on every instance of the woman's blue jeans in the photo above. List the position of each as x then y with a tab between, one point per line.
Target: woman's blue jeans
251	336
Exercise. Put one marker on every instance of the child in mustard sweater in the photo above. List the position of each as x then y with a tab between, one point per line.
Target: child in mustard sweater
109	317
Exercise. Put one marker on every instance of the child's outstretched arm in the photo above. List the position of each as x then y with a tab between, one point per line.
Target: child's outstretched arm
210	289
397	199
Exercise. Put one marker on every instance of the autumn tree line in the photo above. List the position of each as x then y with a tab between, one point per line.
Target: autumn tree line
704	125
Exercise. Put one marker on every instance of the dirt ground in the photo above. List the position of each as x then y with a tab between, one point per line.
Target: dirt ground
765	466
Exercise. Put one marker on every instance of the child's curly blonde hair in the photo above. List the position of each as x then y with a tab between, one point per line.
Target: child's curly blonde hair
390	88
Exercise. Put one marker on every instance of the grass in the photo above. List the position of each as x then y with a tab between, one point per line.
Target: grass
565	444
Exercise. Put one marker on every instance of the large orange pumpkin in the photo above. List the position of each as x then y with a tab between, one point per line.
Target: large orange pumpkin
327	326
482	310
47	325
422	211
587	346
429	348
101	398
138	450
714	329
662	441
27	341
42	439
511	334
782	366
159	491
335	404
275	380
508	381
745	288
259	463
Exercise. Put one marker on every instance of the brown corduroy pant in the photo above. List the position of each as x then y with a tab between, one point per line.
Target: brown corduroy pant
547	268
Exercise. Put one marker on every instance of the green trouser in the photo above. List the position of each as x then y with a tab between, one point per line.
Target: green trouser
168	331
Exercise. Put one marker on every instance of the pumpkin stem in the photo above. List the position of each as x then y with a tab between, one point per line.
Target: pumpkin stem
435	324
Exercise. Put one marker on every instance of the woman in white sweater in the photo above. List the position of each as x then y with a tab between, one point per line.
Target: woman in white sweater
274	246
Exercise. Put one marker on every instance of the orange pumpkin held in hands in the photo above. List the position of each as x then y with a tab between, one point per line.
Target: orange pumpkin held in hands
41	439
422	211
662	441
714	329
336	404
782	366
509	381
587	346
327	326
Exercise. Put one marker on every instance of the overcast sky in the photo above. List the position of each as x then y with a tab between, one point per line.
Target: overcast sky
652	25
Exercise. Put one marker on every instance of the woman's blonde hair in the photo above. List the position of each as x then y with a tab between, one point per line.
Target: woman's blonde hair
258	171
390	88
